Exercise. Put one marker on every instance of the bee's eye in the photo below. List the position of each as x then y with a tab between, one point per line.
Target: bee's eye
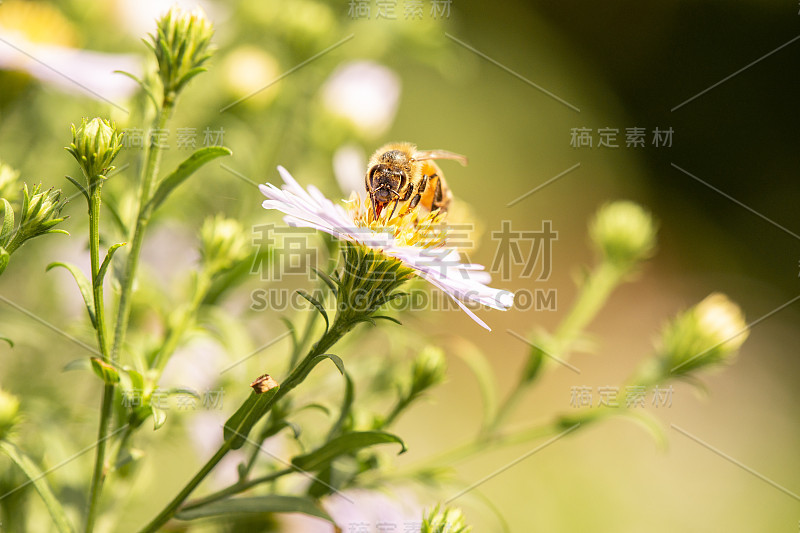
371	173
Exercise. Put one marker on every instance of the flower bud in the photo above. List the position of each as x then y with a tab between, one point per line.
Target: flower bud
709	333
181	45
224	243
624	233
444	520
95	144
428	371
9	407
40	213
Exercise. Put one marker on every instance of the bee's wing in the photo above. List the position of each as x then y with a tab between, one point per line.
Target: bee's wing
424	155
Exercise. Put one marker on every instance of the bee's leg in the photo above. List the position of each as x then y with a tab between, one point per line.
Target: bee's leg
420	189
438	196
394	206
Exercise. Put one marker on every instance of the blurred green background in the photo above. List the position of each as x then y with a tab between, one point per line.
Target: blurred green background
624	65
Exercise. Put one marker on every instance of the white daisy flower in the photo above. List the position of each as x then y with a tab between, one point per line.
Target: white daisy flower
70	69
418	243
364	92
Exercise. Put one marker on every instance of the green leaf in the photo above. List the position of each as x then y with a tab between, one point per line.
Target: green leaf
83	285
159	417
328	281
316	406
9	341
188	76
105	371
271	503
238	426
316	304
292	332
334	358
37	477
346	444
77	364
8	223
144	87
106	262
184	170
651	424
347	404
4	257
389	318
131	379
80	187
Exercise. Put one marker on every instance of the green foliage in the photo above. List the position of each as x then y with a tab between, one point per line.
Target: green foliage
335	437
184	171
272	503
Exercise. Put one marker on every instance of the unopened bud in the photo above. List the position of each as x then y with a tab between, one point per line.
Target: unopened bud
624	233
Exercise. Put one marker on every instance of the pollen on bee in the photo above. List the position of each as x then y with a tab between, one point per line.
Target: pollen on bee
263	384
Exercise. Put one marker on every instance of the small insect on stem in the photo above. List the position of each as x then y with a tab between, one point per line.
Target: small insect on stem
263	384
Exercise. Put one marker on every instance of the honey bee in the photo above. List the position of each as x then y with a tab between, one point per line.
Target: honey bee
398	173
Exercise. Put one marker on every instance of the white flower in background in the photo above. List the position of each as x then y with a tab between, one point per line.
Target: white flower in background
349	163
419	244
195	367
352	509
37	39
365	93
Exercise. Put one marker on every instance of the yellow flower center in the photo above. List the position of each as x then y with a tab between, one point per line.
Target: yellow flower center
410	227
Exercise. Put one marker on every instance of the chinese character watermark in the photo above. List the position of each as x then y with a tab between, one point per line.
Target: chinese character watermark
183	138
509	251
184	399
388	9
635	137
635	396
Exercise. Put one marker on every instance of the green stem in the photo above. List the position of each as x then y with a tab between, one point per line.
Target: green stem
343	323
400	406
592	296
236	488
144	211
170	510
97	287
99	472
504	411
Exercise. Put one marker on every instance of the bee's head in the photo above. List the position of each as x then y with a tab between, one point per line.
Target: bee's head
386	183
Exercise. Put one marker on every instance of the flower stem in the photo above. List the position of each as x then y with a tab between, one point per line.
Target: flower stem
145	210
99	471
343	323
123	312
592	296
236	488
172	508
